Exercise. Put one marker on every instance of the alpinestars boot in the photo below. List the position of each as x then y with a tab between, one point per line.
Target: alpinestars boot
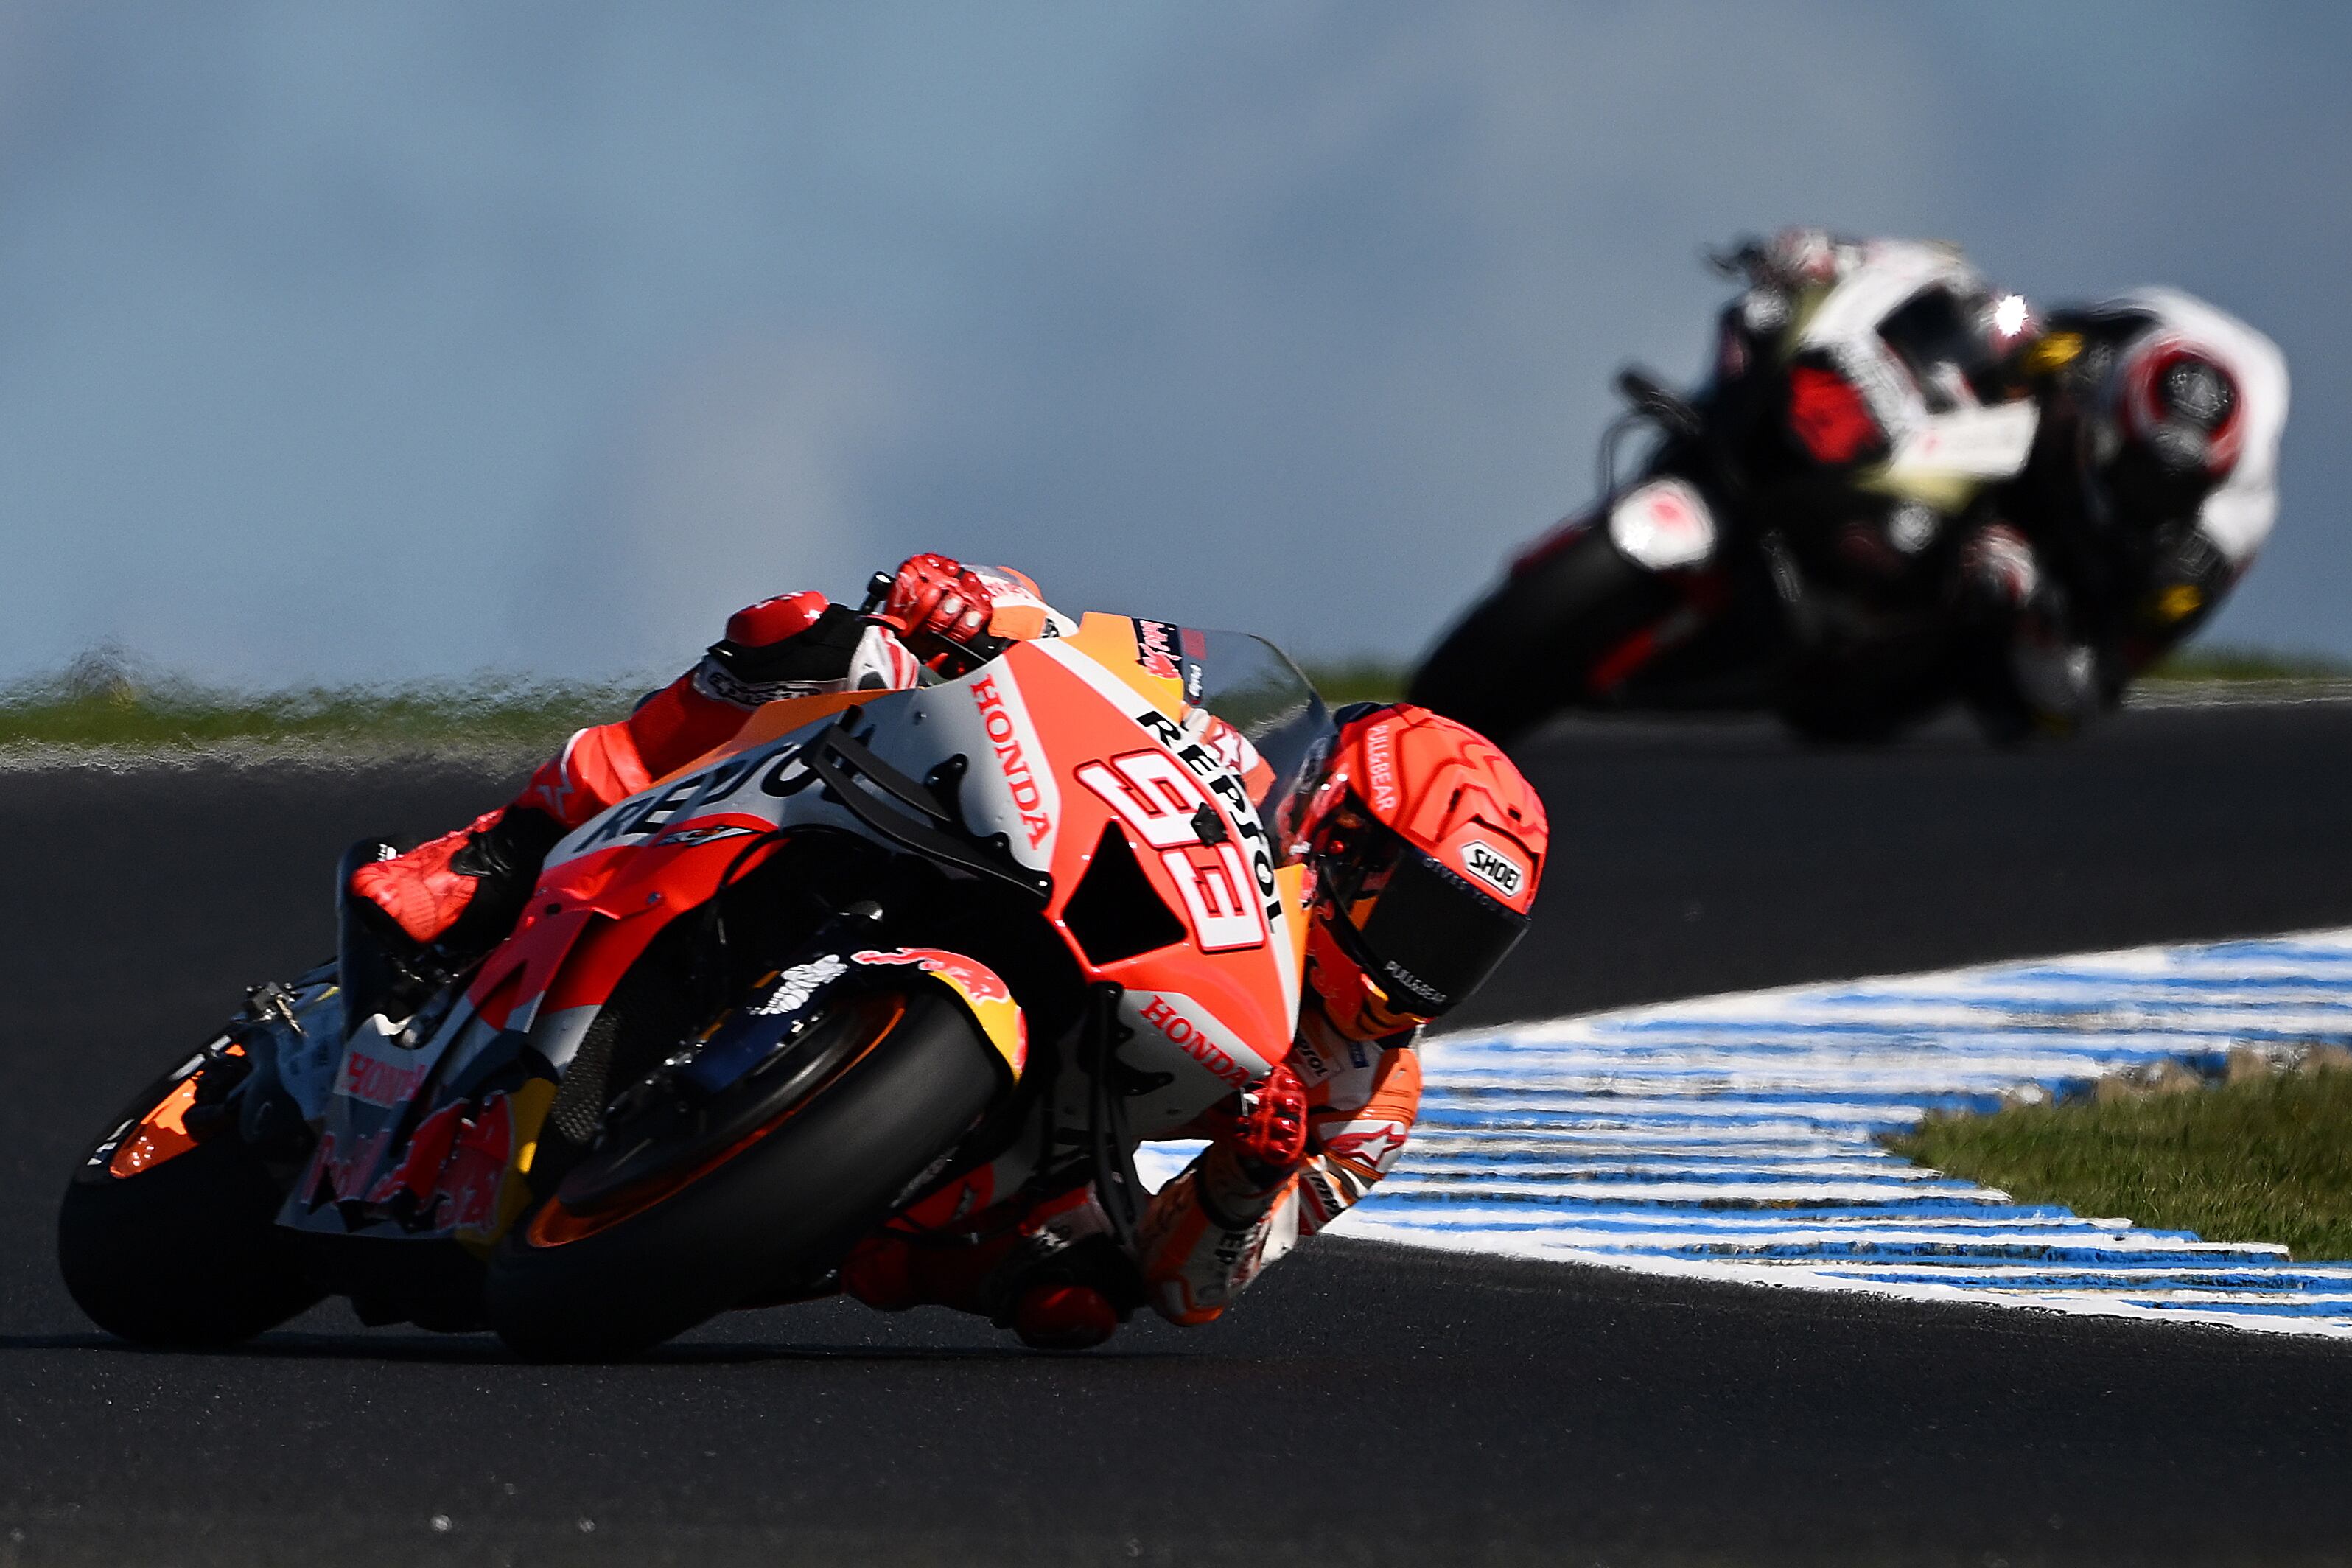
463	890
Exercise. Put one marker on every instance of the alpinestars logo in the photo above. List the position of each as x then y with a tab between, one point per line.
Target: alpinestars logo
1494	868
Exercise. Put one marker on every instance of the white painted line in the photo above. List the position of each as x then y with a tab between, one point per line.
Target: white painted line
1736	1137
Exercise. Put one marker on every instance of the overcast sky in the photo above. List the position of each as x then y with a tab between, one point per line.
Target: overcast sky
347	341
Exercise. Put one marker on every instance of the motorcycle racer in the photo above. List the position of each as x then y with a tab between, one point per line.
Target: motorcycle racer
2151	488
1790	541
2146	490
1898	490
1850	374
1423	848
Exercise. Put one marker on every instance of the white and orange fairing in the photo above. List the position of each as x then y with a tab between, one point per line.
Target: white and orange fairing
1077	744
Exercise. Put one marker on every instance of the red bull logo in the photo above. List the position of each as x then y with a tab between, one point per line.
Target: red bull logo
976	980
984	992
1156	648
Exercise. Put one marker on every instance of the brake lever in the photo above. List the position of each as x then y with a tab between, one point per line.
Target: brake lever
1649	398
1741	261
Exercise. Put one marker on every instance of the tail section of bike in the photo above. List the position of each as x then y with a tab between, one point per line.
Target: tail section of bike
167	1233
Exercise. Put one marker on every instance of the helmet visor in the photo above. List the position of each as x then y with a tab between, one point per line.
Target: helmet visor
1430	938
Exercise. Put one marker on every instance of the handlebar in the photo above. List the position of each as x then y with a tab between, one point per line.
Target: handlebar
1651	398
1745	257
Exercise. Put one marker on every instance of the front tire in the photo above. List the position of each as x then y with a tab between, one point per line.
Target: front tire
592	1275
183	1251
1531	647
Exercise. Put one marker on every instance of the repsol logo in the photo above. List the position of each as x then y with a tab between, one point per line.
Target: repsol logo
1494	868
779	773
1226	785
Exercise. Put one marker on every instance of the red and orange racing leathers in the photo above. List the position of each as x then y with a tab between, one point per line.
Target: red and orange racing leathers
1205	1235
1361	1098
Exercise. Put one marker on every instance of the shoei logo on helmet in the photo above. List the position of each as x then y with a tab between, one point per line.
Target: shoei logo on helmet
1494	868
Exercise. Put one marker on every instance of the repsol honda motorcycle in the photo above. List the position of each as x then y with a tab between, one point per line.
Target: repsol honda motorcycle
880	943
1786	542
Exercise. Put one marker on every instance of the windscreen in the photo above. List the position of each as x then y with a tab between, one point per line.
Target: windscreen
1252	684
1937	337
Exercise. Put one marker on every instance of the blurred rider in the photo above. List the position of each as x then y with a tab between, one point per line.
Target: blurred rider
2132	448
2152	486
1865	390
1423	846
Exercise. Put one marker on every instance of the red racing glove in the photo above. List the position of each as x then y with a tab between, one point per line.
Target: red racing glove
1257	1141
1270	1133
938	606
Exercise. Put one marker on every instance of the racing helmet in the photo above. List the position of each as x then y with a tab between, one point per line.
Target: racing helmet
1425	847
2166	427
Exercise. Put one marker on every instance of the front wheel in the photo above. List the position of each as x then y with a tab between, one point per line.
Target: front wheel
664	1226
168	1233
1538	643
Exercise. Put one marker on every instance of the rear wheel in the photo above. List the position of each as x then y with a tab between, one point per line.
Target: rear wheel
168	1233
1532	646
673	1218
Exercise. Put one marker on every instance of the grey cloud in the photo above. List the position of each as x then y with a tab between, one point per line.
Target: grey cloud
362	340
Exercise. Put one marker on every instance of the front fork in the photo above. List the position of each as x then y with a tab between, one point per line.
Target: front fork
1110	1151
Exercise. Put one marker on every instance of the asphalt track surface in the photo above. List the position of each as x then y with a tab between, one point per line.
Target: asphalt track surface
1364	1404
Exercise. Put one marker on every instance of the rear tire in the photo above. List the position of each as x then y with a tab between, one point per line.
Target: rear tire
584	1285
186	1253
1528	648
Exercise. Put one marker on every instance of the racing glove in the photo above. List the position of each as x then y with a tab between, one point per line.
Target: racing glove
1208	1232
1999	571
941	608
1257	1141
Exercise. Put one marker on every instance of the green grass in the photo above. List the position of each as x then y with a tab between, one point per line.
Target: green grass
108	699
1369	678
2267	1158
1372	679
1360	679
2224	662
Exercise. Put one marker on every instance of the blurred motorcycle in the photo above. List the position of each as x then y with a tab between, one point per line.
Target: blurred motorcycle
1789	538
1011	923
